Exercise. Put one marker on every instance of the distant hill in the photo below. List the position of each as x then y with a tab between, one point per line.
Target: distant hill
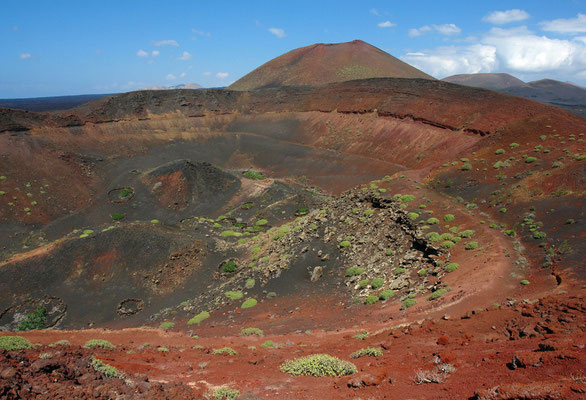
327	63
40	104
485	81
561	94
190	85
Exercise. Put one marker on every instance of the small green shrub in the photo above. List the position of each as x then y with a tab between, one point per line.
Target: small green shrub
105	369
14	343
251	332
167	325
407	198
500	151
386	294
268	344
224	351
125	192
413	216
437	294
230	233
503	210
163	349
318	365
361	336
433	237
117	216
449	217
471	246
355	270
451	267
34	320
371	299
389	252
261	222
399	270
539	235
234	295
199	318
514	145
100	343
251	174
228	267
344	243
377	283
466	167
363	283
466	234
408	302
369	212
249	284
433	221
525	282
530	160
248	303
447	244
422	272
510	232
225	393
367	352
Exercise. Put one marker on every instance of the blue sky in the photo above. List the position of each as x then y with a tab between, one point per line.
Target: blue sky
63	47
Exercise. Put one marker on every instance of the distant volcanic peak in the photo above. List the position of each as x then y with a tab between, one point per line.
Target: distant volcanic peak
493	81
323	63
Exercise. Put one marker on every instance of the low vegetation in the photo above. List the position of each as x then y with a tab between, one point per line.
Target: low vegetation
318	365
105	369
199	318
368	351
248	303
14	343
34	320
224	351
100	343
251	332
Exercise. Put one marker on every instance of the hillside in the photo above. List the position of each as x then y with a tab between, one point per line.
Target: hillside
321	63
485	81
548	91
427	234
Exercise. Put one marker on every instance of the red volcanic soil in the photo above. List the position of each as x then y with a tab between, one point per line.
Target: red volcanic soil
518	349
509	323
321	63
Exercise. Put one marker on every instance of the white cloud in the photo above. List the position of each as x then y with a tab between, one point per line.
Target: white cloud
505	17
419	31
521	50
280	33
182	75
155	53
24	56
222	75
516	50
170	77
385	24
185	56
201	33
142	53
374	11
165	43
570	25
447	29
207	73
451	60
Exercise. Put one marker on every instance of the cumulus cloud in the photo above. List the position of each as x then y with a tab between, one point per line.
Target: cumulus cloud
445	29
280	33
155	53
419	31
385	24
170	77
521	50
24	56
201	33
142	53
505	17
516	50
374	11
222	75
570	25
185	56
165	43
451	60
